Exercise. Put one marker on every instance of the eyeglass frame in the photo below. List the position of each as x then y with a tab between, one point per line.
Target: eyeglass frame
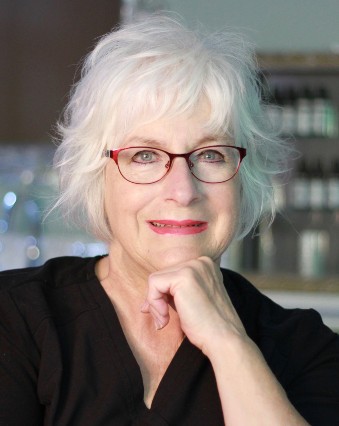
114	154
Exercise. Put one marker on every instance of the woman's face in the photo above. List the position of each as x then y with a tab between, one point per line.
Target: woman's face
136	212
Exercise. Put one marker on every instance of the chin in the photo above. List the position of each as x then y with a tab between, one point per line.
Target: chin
172	257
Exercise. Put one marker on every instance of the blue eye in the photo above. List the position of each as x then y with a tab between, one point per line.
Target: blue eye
144	157
210	156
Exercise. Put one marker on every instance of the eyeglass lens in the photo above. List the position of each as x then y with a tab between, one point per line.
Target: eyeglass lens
209	164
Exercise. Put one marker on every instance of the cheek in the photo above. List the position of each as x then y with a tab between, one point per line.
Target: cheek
235	195
116	187
228	207
122	198
231	196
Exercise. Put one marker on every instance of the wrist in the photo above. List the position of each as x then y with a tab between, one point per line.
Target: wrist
229	342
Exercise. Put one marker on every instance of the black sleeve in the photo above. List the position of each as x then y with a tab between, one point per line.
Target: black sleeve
300	350
312	372
19	404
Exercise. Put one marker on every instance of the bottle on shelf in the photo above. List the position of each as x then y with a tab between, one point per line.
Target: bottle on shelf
304	113
325	119
321	111
313	253
318	193
331	120
274	109
304	105
289	113
300	194
333	187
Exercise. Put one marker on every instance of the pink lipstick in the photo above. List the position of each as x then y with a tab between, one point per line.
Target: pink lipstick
178	227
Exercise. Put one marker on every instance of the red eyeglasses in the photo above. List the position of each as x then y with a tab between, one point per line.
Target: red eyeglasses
145	165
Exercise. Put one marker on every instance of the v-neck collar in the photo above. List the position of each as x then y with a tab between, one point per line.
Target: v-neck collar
182	367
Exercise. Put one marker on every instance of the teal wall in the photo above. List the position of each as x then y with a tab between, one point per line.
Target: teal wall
273	25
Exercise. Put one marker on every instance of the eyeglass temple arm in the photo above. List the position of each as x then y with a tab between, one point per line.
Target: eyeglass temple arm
109	153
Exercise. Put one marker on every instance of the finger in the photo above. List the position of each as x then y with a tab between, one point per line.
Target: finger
145	307
158	300
159	320
159	309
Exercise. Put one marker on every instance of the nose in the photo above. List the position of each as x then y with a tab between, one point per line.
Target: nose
180	185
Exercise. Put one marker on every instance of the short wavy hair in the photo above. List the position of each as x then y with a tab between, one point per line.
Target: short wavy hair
158	68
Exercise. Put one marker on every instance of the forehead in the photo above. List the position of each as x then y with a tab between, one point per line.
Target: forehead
132	112
189	128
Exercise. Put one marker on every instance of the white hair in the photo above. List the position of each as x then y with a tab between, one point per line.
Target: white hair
159	68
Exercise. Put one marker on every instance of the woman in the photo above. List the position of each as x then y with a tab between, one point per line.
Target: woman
166	155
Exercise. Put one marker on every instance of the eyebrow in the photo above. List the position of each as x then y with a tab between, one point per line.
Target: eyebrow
156	143
146	141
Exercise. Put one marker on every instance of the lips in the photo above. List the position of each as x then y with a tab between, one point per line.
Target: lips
175	227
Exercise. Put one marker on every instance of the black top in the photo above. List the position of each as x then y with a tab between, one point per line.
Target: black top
64	360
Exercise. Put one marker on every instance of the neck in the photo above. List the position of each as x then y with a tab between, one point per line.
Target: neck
123	271
127	294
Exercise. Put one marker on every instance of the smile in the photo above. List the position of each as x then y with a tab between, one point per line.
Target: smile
184	227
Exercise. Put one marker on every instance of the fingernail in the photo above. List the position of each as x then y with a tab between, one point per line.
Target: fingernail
158	324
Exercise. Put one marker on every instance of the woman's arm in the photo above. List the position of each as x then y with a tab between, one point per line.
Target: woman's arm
249	391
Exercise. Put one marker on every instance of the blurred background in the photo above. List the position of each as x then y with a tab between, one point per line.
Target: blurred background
296	261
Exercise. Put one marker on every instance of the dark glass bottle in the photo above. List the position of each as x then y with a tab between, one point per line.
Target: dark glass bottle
318	193
333	187
300	194
304	113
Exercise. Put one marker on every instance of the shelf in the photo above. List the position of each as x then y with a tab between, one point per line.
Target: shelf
315	140
324	217
296	63
295	283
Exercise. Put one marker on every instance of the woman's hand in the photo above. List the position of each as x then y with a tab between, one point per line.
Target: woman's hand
196	290
248	390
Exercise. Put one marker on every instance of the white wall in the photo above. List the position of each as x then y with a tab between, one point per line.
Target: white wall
273	25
